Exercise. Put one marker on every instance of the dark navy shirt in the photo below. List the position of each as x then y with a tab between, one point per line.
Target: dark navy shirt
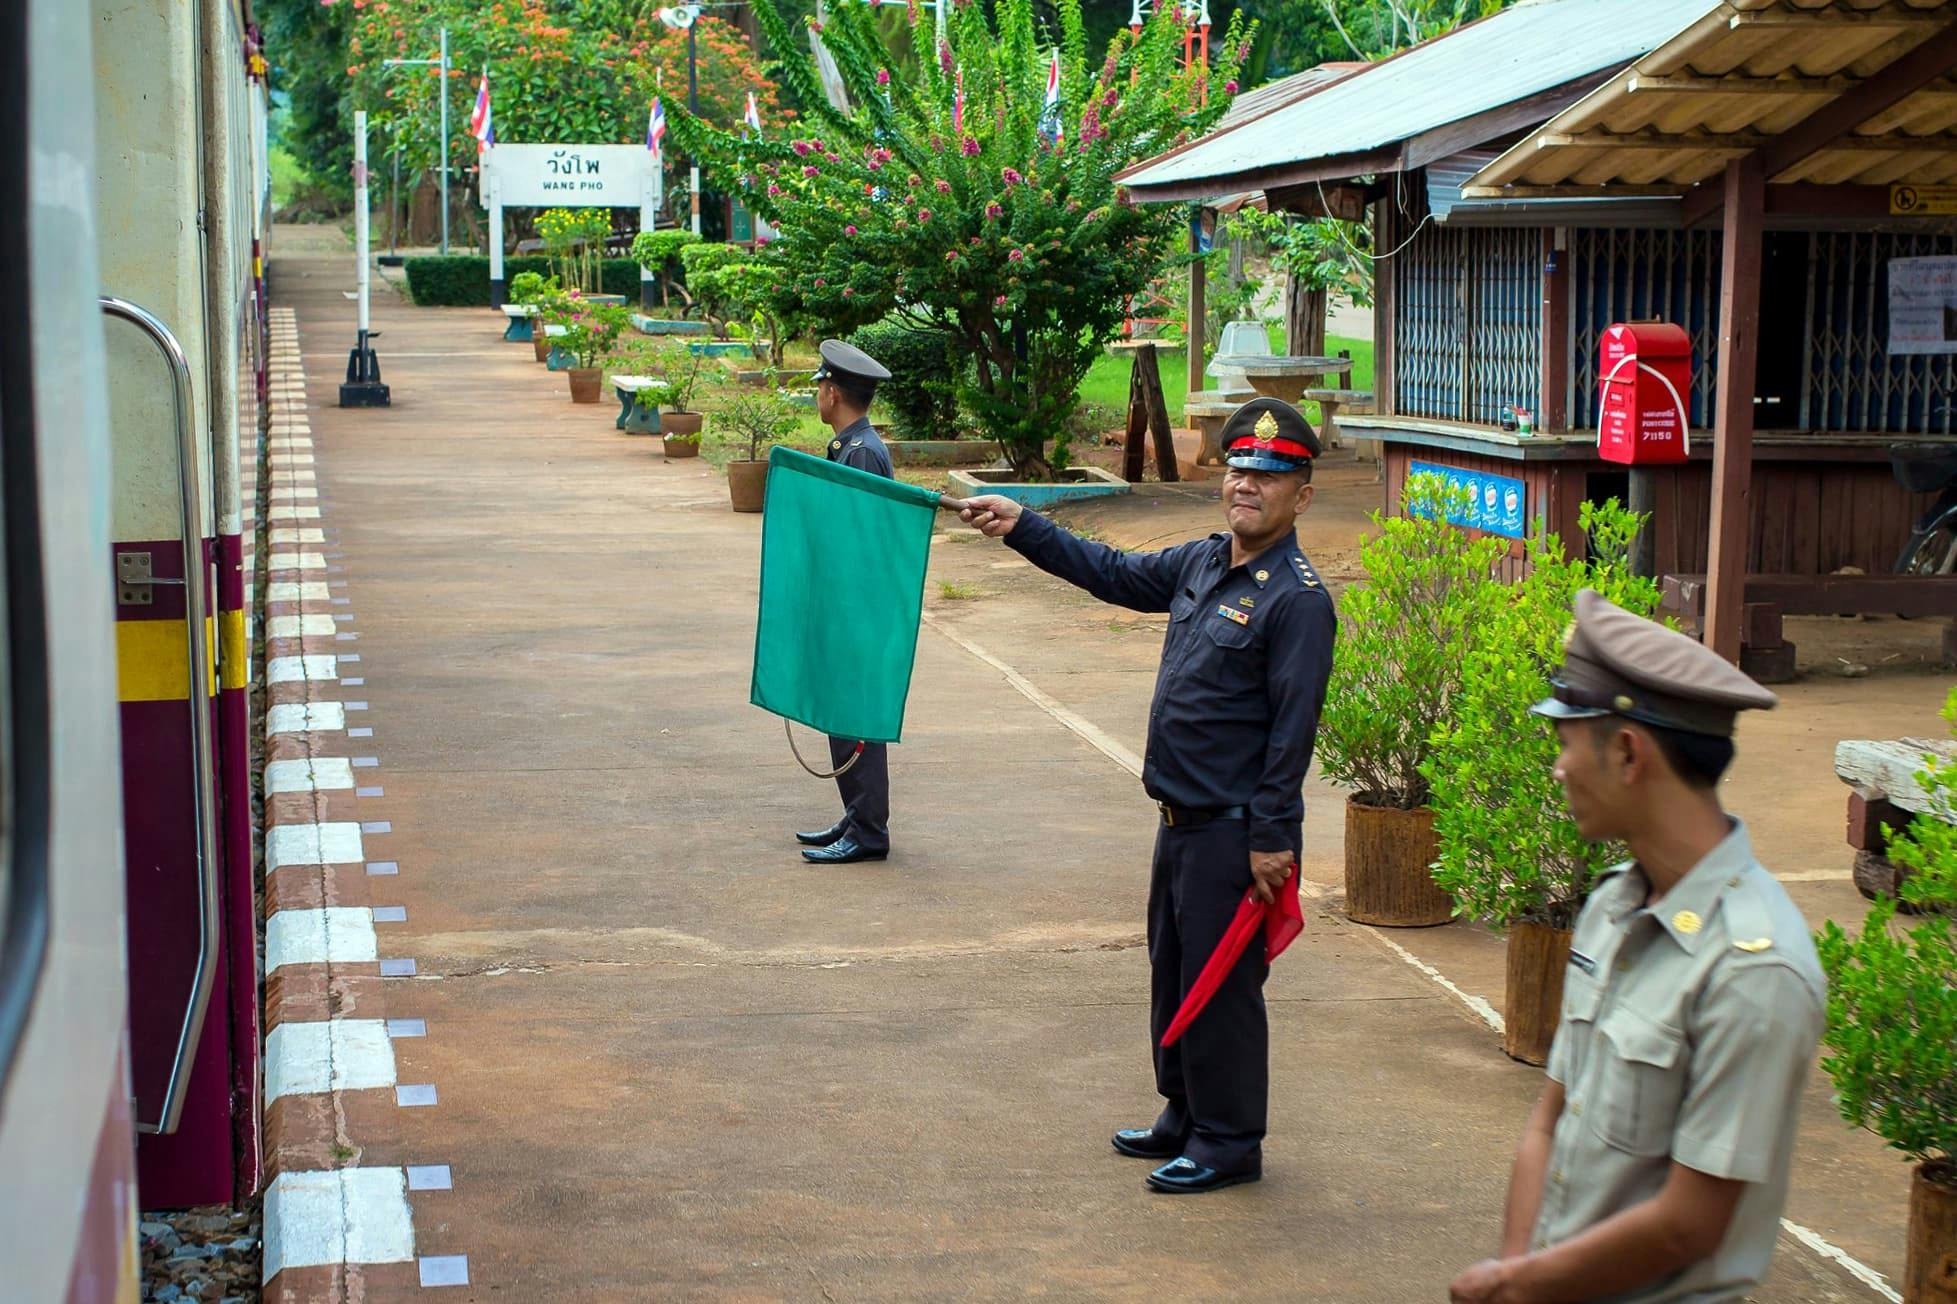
1244	667
860	446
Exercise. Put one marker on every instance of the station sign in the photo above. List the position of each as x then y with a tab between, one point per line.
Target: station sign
570	176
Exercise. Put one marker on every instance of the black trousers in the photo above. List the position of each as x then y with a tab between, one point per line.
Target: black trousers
1216	1078
866	792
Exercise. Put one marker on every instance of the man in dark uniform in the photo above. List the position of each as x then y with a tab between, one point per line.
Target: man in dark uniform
1230	734
846	382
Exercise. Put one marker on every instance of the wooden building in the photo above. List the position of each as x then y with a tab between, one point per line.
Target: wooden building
1749	170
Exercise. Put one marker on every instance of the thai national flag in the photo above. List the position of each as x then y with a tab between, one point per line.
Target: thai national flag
1050	113
480	125
958	104
753	116
656	131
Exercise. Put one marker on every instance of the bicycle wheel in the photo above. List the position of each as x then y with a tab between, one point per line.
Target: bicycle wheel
1933	552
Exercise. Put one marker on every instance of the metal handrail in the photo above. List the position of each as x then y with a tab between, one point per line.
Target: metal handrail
196	612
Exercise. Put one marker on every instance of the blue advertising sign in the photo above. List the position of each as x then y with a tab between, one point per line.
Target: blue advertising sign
1496	504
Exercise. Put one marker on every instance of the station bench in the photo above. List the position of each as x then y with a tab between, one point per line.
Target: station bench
630	418
1768	657
1883	792
1207	410
521	324
1356	401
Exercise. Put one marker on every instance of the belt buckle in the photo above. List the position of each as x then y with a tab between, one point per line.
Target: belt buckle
1168	814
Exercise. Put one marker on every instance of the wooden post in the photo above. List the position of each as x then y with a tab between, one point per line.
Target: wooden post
1552	405
1732	456
1194	337
1148	415
1643	501
1137	429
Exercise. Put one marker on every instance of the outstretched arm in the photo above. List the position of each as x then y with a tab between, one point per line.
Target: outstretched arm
1140	581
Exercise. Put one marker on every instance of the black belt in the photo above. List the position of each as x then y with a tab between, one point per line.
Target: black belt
1181	817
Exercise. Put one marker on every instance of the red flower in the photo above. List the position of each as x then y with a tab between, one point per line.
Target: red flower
1230	87
923	214
811	170
848	230
993	211
883	75
969	147
1016	255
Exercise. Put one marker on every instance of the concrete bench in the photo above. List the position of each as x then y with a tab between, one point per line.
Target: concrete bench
1329	402
557	359
1207	410
632	418
521	327
1767	656
1883	791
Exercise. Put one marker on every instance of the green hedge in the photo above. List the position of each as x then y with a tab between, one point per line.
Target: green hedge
921	395
462	280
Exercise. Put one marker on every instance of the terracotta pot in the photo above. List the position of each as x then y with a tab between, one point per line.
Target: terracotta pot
680	423
586	384
1388	852
1537	956
680	446
540	342
747	485
1930	1263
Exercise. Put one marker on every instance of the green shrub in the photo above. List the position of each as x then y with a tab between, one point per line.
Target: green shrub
1892	996
921	395
462	280
714	292
656	250
1509	852
1404	638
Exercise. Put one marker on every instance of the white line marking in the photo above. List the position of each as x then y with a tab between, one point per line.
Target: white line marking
287	512
1092	734
313	774
334	935
1862	1272
306	1059
288	560
348	1215
300	627
294	670
1817	876
281	494
1481	1009
305	717
310	534
296	591
337	843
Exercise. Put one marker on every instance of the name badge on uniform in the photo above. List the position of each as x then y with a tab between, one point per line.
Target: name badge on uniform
1233	614
1584	962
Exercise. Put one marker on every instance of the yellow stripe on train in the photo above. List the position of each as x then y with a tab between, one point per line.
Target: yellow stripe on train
152	661
233	661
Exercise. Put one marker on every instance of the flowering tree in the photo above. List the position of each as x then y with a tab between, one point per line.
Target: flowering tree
958	205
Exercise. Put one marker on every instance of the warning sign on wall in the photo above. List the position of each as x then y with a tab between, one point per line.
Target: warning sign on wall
1922	201
1923	305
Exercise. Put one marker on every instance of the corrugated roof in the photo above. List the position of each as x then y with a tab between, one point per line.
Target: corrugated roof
1531	48
1734	83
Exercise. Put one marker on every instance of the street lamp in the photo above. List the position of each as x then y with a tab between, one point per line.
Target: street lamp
443	64
680	18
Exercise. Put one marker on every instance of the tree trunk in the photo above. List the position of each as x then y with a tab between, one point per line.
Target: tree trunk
1304	319
1537	956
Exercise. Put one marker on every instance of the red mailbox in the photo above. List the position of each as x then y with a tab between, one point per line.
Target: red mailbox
1642	405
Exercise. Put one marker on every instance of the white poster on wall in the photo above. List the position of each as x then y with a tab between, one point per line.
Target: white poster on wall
1923	305
570	176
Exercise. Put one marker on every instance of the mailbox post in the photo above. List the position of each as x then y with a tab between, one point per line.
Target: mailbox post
1642	414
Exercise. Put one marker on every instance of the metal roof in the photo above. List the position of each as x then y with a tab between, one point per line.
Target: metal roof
1739	81
1362	122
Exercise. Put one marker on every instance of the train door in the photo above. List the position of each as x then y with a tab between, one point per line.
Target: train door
67	1161
173	159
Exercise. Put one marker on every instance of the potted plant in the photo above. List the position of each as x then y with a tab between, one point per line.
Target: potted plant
1508	851
541	296
527	290
679	425
762	417
1396	673
1892	1027
591	330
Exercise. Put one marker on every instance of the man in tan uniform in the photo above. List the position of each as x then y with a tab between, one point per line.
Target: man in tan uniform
1655	1165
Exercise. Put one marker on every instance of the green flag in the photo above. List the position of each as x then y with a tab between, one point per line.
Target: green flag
842	589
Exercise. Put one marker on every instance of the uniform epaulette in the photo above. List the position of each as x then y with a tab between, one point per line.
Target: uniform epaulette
1304	571
1748	921
856	443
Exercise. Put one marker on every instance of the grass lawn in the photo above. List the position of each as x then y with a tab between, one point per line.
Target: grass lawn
1107	379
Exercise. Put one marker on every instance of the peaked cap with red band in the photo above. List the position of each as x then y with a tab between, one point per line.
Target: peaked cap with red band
1268	434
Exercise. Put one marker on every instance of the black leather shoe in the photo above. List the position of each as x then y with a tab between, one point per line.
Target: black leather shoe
827	837
1187	1177
1146	1143
843	851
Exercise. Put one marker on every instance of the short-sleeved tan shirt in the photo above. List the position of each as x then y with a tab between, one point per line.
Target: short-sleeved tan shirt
1687	1033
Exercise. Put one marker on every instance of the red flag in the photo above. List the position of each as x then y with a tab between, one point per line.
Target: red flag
1281	921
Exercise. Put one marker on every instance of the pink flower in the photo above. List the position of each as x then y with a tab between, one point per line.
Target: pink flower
951	256
850	229
969	147
944	57
849	292
1016	255
994	211
915	181
923	214
820	282
944	187
976	242
1109	100
774	191
831	157
1230	87
811	170
801	147
883	76
998	301
1012	177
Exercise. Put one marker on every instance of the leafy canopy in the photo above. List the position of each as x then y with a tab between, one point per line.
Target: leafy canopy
1509	852
998	227
1892	995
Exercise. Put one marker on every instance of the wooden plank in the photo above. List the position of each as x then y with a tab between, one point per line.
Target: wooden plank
1156	408
1827	595
1867	814
1804	524
1385	307
1554	417
1828	125
1198	310
1888	769
1739	328
1137	428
